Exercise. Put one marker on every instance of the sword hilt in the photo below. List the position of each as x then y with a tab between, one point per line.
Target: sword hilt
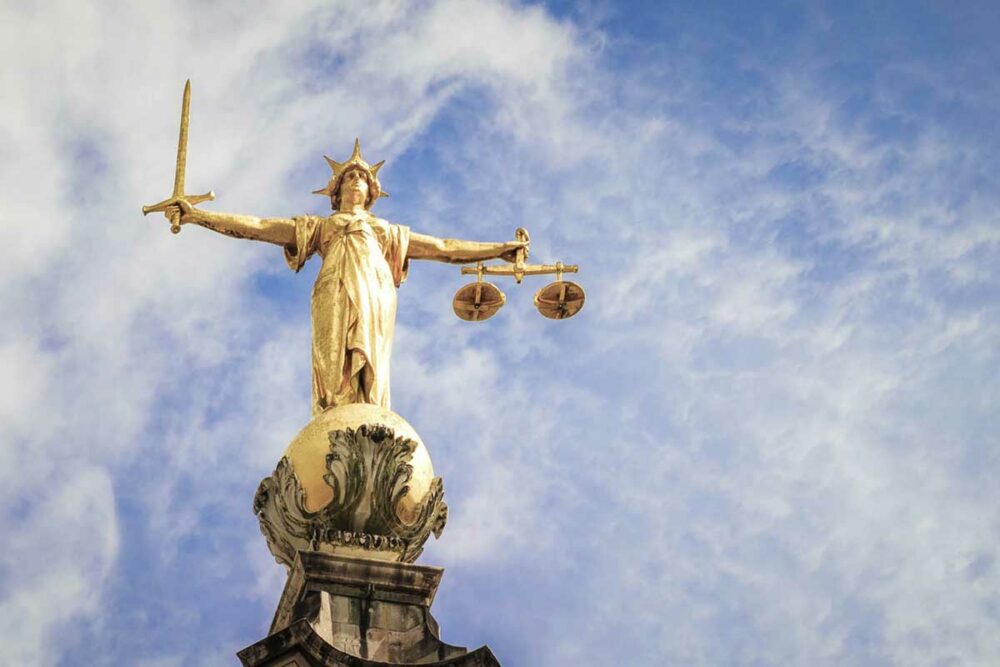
175	218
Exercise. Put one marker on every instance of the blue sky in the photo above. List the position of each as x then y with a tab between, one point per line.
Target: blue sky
770	438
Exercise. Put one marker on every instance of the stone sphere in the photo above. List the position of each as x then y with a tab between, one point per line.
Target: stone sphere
356	481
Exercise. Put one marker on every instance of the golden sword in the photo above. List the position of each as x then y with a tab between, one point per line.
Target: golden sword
175	216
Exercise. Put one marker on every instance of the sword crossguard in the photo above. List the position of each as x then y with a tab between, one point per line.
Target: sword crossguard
175	220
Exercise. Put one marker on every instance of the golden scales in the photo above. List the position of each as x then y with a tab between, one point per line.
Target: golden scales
481	300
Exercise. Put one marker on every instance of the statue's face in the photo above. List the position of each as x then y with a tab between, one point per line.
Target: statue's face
354	187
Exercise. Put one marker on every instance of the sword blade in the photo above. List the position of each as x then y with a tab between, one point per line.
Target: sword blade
182	142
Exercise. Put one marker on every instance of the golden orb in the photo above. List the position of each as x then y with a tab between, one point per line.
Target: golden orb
356	481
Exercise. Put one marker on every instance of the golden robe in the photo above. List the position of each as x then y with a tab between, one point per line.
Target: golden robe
353	303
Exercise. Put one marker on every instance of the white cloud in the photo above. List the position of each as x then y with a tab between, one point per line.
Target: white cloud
56	557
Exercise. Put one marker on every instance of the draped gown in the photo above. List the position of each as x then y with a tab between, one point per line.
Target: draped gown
353	303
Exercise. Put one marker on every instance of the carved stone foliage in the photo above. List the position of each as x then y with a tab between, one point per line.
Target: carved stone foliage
369	471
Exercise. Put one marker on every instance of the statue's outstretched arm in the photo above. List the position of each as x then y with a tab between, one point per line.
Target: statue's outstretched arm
457	251
280	231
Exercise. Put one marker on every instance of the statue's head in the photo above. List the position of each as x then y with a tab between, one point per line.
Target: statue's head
356	174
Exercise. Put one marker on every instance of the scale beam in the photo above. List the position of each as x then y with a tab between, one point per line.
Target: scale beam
526	270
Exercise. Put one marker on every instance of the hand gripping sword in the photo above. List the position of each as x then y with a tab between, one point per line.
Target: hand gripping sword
175	218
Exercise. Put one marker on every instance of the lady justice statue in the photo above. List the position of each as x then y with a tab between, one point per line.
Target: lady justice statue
354	497
365	259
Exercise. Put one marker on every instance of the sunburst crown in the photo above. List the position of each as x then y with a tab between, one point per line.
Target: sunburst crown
354	162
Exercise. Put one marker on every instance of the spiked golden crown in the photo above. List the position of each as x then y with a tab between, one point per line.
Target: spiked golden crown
354	162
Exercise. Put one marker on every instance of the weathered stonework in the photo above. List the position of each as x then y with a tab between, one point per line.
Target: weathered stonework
338	611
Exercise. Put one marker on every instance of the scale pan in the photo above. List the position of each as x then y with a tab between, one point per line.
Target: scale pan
560	300
478	301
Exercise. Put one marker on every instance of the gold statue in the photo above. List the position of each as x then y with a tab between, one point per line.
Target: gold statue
365	258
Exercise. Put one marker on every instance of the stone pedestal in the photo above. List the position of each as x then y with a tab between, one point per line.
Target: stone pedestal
348	509
337	610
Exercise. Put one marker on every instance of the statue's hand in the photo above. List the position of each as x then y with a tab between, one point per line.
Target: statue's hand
178	211
510	248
